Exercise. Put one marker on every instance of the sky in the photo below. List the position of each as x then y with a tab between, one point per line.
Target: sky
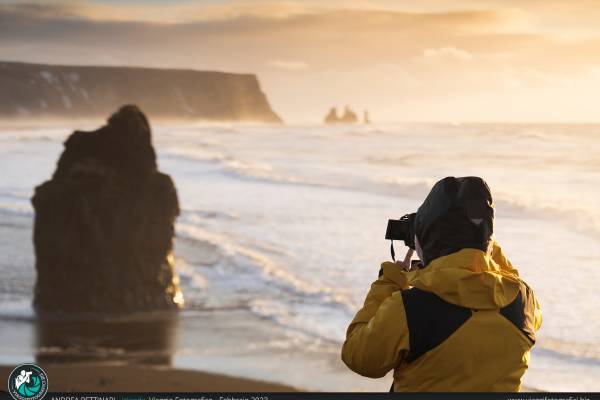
426	60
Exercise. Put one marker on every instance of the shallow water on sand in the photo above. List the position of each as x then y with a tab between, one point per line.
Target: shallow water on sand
282	230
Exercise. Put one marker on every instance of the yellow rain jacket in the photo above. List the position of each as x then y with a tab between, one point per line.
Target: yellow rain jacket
466	322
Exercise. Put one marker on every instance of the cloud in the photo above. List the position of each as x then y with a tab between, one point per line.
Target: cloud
288	65
445	53
331	37
158	12
40	10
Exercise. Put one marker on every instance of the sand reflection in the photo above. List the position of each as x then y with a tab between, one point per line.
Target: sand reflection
145	340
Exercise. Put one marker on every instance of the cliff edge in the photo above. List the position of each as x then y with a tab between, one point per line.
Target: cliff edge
37	90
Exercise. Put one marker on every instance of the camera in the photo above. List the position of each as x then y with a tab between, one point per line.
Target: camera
402	229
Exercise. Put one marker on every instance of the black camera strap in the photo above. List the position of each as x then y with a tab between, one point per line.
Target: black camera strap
392	251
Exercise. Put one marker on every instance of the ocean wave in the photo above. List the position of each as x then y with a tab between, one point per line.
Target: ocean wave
406	186
245	169
245	257
40	138
19	310
365	132
196	215
580	162
576	218
579	352
34	134
400	160
15	202
197	153
570	215
317	325
257	171
258	274
264	172
16	209
534	134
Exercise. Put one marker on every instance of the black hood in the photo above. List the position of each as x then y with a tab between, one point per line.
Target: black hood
458	213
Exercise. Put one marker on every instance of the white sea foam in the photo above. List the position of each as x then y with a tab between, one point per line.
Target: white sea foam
17	310
48	76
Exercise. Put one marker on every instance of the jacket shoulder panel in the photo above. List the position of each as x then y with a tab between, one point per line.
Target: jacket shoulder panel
521	312
430	320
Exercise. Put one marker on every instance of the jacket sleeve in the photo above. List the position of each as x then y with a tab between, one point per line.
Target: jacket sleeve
537	324
377	338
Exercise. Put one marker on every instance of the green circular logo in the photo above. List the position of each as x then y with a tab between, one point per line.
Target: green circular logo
27	382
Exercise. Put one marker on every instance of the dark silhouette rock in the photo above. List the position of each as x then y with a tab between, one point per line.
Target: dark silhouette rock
332	117
349	116
104	225
366	118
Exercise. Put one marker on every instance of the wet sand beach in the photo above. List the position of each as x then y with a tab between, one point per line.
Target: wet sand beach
127	378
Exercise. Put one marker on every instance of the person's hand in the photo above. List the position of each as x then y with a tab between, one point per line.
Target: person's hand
406	264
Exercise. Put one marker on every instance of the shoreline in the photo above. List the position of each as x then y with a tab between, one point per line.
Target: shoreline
230	346
225	343
113	377
220	339
223	340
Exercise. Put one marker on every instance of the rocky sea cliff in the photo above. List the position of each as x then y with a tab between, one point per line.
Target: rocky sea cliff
38	90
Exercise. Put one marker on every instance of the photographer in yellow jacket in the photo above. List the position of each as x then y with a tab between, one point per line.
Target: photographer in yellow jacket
461	319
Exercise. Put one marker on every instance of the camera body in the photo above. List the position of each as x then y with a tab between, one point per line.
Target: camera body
402	229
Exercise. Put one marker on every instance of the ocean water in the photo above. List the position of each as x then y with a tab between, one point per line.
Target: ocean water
285	224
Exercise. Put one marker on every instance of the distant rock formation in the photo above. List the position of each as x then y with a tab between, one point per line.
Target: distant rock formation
366	118
104	225
349	116
36	90
332	117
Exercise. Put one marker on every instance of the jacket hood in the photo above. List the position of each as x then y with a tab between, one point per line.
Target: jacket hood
468	278
458	213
